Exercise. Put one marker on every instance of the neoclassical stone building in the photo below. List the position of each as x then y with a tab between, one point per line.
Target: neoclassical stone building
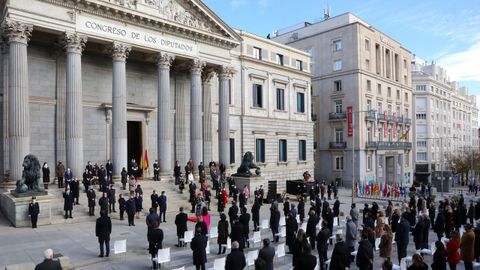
91	80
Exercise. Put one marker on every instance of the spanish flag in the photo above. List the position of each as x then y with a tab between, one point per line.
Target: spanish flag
144	161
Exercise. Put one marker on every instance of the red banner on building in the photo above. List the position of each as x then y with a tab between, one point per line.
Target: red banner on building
394	125
385	127
350	121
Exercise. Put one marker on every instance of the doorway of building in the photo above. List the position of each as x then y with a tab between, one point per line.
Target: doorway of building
390	170
134	141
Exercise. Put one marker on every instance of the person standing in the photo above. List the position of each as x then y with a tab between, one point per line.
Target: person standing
45	175
307	262
386	243
156	171
138	205
162	203
33	211
402	236
233	213
91	196
154	200
60	171
109	167
301	209
267	253
103	202
237	233
236	259
198	246
68	178
122	205
48	262
275	221
103	229
354	214
364	259
68	203
152	218
322	244
467	246
131	210
111	199
222	234
312	228
124	180
181	223
155	241
341	255
351	236
256	214
291	228
439	257
245	220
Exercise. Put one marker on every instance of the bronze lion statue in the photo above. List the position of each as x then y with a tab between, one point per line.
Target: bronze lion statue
247	164
30	175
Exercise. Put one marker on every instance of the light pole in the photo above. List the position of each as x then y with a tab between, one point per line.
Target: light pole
353	148
442	165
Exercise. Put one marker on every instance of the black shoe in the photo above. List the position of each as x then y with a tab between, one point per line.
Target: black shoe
107	255
70	217
101	255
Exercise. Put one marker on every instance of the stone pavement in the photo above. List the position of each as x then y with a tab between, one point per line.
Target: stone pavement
78	241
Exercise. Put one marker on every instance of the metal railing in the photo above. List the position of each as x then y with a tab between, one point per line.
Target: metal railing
338	145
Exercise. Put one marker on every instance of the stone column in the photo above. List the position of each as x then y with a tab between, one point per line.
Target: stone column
207	117
74	45
119	53
196	111
18	35
164	143
224	75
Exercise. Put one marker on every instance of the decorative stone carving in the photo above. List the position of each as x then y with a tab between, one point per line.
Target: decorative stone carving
225	72
197	66
207	75
120	51
74	42
126	3
164	60
16	31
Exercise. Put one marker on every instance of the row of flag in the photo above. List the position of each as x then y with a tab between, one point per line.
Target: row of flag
384	190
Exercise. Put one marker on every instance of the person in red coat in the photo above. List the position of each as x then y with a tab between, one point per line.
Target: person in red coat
453	257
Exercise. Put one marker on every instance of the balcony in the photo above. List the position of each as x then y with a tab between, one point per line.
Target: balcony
336	116
370	116
338	145
389	145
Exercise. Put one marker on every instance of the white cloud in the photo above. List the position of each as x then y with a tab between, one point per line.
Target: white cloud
463	65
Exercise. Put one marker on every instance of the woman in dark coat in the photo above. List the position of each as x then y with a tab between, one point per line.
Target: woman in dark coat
138	204
199	245
439	227
291	230
275	222
155	239
439	257
46	175
299	247
222	234
395	219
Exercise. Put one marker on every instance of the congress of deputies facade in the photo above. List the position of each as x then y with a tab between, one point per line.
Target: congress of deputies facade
91	80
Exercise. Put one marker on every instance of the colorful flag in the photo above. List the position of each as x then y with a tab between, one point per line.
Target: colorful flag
145	165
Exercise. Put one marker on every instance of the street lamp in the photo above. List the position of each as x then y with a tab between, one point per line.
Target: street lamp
442	165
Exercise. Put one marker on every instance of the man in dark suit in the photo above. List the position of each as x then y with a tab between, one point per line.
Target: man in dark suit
91	201
103	203
111	199
68	203
267	253
402	236
48	263
131	210
103	229
155	239
237	234
109	167
154	200
122	205
75	187
245	219
236	259
322	244
33	211
162	204
181	222
198	246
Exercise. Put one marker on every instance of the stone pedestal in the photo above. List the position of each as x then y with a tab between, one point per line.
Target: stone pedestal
16	209
251	182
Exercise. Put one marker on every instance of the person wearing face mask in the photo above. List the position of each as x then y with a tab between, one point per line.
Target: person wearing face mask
68	203
46	175
33	211
68	177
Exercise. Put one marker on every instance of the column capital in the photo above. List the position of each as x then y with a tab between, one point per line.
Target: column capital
164	60
225	72
120	51
74	43
196	66
207	75
16	31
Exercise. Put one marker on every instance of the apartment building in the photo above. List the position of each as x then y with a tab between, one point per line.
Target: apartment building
446	121
362	100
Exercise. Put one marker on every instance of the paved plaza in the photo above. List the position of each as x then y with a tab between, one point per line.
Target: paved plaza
76	238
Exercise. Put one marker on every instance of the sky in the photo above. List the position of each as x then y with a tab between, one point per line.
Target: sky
444	31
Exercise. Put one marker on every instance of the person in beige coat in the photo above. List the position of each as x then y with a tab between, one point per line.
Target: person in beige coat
467	247
386	242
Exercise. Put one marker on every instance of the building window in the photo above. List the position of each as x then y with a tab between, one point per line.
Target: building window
279	59
421	87
389	92
282	150
421	143
302	150
367	45
406	97
367	64
337	65
398	94
337	45
421	116
257	96
338	106
300	102
257	53
337	85
379	107
260	150
369	105
379	89
299	65
232	151
369	162
339	135
339	163
421	156
280	99
369	86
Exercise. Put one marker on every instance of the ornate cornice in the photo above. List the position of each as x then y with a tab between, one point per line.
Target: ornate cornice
16	31
164	60
74	42
120	51
196	66
207	74
225	72
127	15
